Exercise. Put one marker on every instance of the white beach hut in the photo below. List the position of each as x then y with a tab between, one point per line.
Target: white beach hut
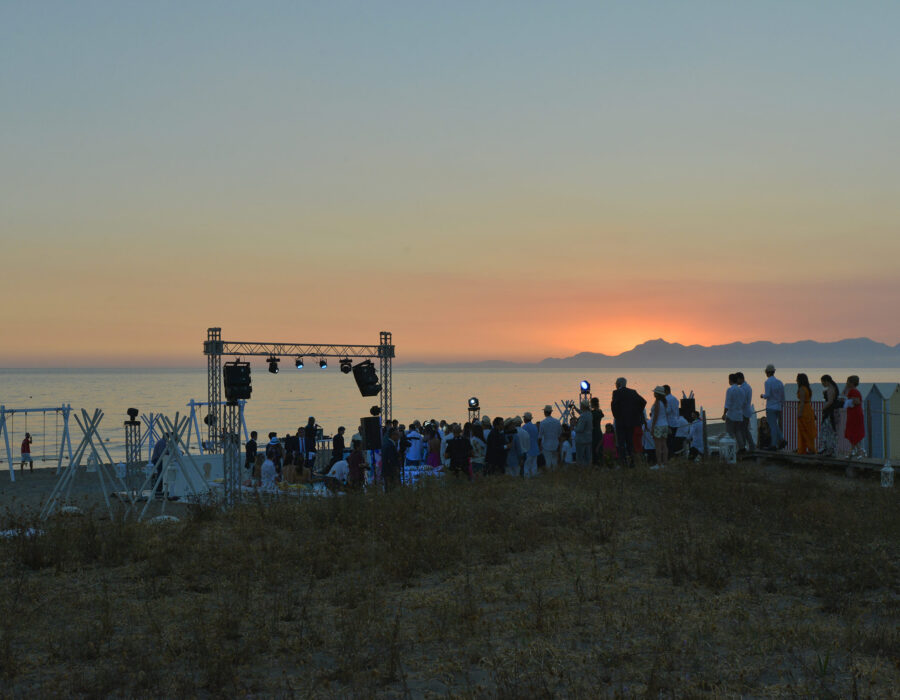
882	406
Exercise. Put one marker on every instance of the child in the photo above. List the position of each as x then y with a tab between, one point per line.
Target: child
609	442
567	446
649	447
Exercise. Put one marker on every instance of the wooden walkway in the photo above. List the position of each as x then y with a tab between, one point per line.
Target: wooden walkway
845	463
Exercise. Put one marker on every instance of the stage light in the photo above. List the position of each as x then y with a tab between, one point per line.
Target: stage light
473	402
585	386
375	410
273	364
346	365
132	414
323	363
298	363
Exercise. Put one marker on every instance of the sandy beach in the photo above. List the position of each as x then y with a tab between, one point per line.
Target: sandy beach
32	489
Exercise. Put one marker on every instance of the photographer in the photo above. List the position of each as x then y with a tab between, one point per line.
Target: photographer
583	432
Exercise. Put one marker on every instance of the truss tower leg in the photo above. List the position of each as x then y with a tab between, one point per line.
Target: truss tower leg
386	355
213	350
231	459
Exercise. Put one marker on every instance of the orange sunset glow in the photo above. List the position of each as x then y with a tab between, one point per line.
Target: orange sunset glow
478	198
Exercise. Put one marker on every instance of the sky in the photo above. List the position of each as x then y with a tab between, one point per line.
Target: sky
487	180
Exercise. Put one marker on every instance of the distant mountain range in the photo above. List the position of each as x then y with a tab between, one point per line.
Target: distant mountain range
850	353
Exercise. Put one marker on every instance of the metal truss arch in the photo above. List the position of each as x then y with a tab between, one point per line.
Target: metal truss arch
214	348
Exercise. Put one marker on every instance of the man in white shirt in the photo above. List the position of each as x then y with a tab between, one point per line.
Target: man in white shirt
774	396
548	436
416	445
524	444
734	411
671	416
682	433
531	454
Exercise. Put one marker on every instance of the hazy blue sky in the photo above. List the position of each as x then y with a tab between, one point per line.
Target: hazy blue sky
484	179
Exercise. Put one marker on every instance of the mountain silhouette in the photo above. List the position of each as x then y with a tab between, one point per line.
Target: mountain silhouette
849	353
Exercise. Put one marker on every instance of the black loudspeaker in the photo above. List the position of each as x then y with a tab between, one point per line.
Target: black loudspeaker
371	432
366	378
237	380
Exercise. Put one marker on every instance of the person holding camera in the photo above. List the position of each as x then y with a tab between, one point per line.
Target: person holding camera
584	433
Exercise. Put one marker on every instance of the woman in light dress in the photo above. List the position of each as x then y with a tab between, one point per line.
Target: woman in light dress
659	426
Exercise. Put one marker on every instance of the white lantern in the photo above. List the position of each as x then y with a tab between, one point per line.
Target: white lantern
887	475
728	449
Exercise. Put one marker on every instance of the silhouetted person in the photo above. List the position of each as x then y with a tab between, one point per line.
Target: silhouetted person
337	446
628	411
250	451
390	459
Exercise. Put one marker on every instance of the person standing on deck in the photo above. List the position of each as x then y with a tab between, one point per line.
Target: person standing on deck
774	396
855	429
733	415
806	419
748	409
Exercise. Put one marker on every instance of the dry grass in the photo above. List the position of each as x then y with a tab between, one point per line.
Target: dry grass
694	582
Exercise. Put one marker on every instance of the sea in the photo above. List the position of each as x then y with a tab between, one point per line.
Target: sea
282	402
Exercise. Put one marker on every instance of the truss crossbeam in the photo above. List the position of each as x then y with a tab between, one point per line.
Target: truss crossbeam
295	349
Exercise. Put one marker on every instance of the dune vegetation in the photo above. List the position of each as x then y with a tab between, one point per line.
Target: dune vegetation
698	581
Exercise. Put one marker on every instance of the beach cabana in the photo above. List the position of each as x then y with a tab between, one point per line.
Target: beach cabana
882	407
891	395
875	427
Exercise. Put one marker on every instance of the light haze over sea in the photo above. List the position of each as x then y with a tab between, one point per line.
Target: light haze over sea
284	401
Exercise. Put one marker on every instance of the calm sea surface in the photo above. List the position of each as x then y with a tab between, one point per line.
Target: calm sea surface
284	401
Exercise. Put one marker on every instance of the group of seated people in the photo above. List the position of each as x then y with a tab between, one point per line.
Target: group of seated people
285	460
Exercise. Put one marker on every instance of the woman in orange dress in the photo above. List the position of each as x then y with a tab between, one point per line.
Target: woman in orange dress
855	429
806	420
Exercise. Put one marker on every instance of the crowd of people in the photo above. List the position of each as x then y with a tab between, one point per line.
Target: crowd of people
484	447
639	434
738	411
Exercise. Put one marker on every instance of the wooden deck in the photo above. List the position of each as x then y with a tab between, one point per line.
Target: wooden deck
845	463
